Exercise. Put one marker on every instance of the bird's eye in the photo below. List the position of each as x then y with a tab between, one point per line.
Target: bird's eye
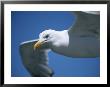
46	36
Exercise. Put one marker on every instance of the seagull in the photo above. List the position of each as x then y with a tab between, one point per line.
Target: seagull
81	40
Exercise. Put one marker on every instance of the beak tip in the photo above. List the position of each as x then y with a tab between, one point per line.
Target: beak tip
37	45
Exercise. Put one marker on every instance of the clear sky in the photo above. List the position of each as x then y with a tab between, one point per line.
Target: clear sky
27	26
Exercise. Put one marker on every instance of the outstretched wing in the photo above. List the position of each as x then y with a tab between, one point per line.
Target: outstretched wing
86	24
84	35
35	61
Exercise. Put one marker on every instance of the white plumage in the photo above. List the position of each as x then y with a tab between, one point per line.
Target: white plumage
81	40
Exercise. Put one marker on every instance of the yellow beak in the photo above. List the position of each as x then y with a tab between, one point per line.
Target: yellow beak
38	44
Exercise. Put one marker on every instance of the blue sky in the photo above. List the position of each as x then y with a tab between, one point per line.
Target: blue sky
26	25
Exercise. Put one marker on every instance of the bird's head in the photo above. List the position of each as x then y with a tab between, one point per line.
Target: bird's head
45	37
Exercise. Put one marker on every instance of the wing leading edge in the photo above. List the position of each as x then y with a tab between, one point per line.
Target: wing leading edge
36	62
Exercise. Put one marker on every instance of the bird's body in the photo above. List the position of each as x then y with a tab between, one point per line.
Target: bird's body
82	40
82	47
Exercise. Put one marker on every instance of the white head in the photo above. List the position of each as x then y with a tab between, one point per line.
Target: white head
46	37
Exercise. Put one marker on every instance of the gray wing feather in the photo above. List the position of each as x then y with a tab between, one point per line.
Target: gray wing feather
86	24
84	35
35	61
